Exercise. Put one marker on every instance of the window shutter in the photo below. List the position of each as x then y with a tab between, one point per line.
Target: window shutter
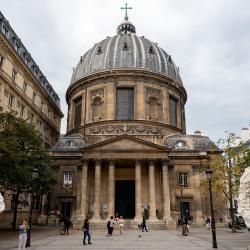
172	111
78	111
125	104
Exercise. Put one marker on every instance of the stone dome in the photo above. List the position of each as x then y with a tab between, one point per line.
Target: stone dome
126	50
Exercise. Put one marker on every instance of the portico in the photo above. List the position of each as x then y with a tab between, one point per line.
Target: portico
130	167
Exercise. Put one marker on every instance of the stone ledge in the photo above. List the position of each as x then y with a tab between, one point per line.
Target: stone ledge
128	224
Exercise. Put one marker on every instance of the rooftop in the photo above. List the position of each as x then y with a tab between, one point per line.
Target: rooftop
25	56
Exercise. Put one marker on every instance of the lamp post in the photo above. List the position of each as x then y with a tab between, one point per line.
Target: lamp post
209	173
34	177
181	189
66	186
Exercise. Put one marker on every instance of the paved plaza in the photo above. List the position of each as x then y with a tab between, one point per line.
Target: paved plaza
198	239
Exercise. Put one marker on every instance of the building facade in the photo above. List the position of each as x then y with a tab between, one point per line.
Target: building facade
126	150
25	91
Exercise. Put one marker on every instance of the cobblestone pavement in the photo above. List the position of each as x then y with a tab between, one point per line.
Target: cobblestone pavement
198	239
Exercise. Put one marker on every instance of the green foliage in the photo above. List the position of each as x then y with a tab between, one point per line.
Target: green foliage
229	166
22	151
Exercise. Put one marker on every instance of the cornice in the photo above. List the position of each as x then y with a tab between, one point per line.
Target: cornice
114	75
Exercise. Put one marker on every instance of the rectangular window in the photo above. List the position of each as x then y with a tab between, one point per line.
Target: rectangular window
78	112
34	97
14	75
24	87
125	104
27	60
22	110
5	30
17	46
172	111
67	179
1	61
11	101
183	179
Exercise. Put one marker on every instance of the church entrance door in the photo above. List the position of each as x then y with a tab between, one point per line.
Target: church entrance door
125	198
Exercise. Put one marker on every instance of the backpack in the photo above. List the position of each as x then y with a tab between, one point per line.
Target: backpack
108	224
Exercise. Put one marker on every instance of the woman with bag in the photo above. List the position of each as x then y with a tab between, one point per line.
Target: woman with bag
23	235
85	230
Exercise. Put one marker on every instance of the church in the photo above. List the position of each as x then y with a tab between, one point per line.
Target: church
126	150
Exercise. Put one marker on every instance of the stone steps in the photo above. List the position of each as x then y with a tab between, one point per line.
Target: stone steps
128	224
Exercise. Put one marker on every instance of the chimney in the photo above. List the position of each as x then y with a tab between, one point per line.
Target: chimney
245	134
197	132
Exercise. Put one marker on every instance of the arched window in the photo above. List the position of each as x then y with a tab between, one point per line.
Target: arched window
153	108
97	109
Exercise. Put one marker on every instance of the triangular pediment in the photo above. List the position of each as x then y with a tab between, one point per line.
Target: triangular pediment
125	143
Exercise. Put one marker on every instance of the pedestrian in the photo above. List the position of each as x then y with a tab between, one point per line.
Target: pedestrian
121	224
237	222
61	226
67	224
23	234
179	221
85	230
208	223
110	226
185	226
144	224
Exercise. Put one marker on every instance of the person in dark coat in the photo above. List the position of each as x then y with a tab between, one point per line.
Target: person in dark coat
67	224
110	226
143	224
85	230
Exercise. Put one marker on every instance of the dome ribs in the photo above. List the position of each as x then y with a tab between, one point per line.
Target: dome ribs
106	52
134	50
158	57
126	51
164	61
141	54
115	51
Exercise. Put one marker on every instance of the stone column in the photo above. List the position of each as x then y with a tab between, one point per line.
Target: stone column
138	214
152	205
166	193
111	205
84	182
97	190
199	219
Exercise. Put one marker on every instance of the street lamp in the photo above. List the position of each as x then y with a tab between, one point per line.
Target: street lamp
66	186
209	173
34	177
181	189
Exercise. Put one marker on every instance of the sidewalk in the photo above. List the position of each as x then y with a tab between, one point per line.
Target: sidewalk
198	239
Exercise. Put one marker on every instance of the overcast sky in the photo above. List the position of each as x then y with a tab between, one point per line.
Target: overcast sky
209	40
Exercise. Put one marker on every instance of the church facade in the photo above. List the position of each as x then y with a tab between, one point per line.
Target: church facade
126	150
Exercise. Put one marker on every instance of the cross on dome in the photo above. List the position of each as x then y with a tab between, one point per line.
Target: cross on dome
126	8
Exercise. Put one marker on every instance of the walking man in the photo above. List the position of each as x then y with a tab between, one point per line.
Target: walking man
85	230
110	226
143	224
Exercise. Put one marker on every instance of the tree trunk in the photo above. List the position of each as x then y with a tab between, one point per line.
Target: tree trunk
15	209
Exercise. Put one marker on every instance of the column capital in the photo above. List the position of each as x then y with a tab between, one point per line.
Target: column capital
138	161
79	167
111	161
98	162
151	161
165	161
83	163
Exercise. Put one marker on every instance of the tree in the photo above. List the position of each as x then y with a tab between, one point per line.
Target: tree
228	168
22	151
